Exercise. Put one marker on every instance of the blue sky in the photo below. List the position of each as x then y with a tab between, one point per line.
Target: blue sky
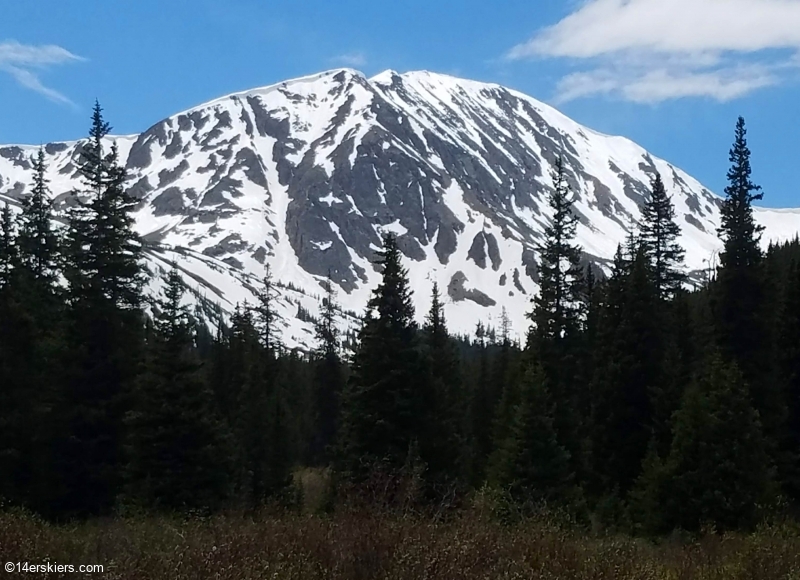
670	74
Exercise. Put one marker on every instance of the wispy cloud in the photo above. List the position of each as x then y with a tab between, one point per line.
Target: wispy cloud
26	62
352	59
655	50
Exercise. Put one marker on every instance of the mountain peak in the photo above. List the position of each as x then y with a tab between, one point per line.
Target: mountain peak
305	175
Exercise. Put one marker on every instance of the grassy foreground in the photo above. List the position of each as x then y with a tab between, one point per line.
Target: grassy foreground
358	546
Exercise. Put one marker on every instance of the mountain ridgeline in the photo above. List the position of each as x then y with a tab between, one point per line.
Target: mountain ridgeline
306	176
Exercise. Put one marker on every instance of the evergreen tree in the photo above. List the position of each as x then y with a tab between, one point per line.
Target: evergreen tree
8	245
16	348
177	453
266	315
103	334
296	382
233	358
279	456
253	401
659	234
480	410
102	248
505	384
531	463
679	356
646	502
30	309
38	241
557	313
789	365
443	443
627	371
383	411
717	471
743	330
593	302
329	380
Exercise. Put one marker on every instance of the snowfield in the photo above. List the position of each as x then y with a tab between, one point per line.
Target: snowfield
306	175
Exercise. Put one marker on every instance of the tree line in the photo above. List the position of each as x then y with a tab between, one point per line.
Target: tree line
632	402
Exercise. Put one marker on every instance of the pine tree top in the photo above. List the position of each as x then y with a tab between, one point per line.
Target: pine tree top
738	228
659	235
391	300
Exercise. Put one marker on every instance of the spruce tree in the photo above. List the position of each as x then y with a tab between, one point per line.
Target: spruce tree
531	463
646	503
329	380
626	373
254	403
17	347
266	315
104	333
443	443
659	234
234	350
789	372
8	245
480	412
265	394
176	446
718	471
505	384
103	250
742	327
678	361
557	313
383	412
38	240
589	347
30	327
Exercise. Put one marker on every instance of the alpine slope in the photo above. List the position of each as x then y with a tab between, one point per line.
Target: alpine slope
307	175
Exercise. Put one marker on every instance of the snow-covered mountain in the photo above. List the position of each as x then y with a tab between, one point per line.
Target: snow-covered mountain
305	175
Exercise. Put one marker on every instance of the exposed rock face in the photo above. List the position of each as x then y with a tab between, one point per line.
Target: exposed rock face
307	175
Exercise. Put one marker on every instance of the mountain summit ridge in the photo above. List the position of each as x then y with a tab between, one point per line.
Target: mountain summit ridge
305	175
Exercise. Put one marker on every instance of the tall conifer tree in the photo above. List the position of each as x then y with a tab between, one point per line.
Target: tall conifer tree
742	326
17	347
8	245
444	442
32	315
104	332
557	313
789	367
177	454
718	470
659	234
626	372
384	414
480	410
530	462
38	240
329	380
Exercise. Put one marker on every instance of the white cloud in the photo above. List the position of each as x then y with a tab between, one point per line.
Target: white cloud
654	50
659	85
351	59
25	62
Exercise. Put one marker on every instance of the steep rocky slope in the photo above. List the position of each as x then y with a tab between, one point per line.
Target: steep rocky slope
306	175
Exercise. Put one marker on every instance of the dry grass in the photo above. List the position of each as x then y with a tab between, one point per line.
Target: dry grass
363	546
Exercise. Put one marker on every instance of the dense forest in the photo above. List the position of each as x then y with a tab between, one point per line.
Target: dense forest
633	404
